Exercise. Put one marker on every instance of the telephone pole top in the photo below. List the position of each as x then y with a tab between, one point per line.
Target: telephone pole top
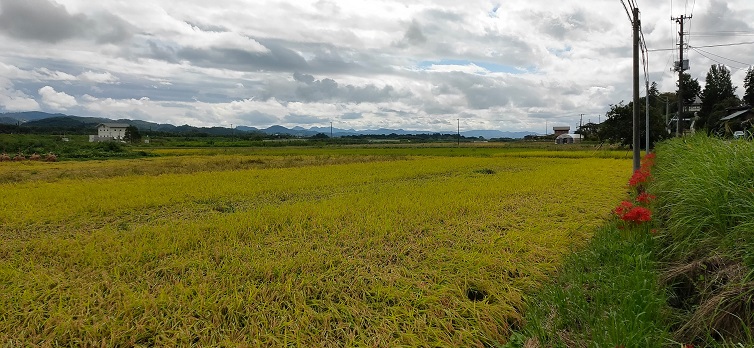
680	66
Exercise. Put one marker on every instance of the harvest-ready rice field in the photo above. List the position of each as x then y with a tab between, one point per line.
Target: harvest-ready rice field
292	247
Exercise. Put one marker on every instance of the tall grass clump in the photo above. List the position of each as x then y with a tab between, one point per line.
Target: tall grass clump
705	190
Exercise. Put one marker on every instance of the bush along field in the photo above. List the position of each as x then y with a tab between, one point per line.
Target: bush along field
292	251
674	266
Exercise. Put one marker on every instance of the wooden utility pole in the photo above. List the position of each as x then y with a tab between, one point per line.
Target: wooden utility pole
637	136
647	119
680	67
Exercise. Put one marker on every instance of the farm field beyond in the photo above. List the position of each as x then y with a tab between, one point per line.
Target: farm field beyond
359	247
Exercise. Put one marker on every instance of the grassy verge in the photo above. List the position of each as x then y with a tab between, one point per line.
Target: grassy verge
705	189
688	283
607	295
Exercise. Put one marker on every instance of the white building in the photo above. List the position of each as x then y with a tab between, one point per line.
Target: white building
109	132
568	139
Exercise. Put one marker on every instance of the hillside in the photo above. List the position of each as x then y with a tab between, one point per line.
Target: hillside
45	122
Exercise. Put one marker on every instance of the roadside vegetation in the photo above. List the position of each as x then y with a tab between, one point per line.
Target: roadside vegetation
679	275
72	147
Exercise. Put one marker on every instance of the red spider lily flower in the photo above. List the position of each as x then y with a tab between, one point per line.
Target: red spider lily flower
653	231
648	162
640	176
637	215
623	208
645	198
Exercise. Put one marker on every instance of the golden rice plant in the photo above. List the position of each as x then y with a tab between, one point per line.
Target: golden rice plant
404	251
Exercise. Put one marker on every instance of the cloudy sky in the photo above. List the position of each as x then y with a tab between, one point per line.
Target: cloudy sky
515	65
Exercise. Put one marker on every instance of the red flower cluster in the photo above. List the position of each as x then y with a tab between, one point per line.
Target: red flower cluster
645	198
643	174
638	215
637	212
623	208
640	177
629	212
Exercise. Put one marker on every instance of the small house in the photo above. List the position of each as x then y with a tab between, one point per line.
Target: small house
696	106
561	130
738	120
109	132
568	139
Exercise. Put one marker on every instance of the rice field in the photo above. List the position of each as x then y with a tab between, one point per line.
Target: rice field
346	247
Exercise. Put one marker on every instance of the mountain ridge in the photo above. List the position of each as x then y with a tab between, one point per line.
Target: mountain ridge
37	119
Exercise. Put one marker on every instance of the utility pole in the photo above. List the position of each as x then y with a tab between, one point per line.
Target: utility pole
637	137
680	67
647	120
331	130
459	132
667	114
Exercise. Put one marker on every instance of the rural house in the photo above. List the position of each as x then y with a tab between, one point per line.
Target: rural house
109	132
738	120
561	130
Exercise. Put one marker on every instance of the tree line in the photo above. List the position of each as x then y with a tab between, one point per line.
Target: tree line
718	99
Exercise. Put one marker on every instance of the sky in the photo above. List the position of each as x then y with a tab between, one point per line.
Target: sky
509	65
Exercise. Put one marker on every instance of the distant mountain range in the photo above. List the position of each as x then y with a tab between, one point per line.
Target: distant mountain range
43	120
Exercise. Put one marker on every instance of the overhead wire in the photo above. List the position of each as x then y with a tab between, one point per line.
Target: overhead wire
628	13
729	44
724	33
672	41
715	60
706	46
719	56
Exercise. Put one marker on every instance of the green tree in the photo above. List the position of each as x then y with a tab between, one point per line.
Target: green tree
589	131
749	87
719	94
132	134
618	124
691	89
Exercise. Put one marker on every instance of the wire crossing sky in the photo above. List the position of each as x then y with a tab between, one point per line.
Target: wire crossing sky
513	65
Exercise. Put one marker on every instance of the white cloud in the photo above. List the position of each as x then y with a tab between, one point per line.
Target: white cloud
45	74
56	100
104	78
13	100
202	39
505	65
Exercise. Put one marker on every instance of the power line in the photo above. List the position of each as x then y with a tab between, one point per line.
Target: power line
628	13
719	56
729	44
715	60
706	46
661	49
724	33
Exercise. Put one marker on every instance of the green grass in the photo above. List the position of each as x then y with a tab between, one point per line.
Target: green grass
606	295
692	283
706	195
705	189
